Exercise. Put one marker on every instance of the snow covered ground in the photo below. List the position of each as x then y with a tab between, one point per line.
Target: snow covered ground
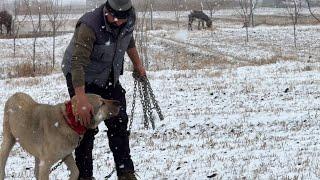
233	110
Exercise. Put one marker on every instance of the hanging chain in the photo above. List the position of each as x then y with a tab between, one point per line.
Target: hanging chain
133	103
154	101
57	165
147	99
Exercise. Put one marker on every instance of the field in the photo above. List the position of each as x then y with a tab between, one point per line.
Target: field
233	109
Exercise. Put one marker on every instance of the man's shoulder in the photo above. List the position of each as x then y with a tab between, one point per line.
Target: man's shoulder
95	13
93	18
86	29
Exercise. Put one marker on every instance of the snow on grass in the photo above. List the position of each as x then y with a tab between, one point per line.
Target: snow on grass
239	124
256	119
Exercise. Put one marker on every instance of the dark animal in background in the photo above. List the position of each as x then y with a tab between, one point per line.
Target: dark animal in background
5	20
202	17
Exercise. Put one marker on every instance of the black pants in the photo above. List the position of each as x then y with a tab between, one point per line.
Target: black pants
117	132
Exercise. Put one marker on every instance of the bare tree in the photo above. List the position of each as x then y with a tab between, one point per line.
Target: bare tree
17	23
57	19
151	15
294	7
213	6
311	12
141	35
177	7
35	27
245	13
253	4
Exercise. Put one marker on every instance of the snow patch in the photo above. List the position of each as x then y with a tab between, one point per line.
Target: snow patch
181	35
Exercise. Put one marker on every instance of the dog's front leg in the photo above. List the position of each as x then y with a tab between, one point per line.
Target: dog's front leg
44	169
71	164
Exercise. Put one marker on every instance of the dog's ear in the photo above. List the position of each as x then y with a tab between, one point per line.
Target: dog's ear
94	99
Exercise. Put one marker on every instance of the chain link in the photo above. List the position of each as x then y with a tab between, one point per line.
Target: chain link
147	108
147	99
154	101
133	103
57	165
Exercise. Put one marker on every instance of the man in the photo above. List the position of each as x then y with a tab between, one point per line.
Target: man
92	63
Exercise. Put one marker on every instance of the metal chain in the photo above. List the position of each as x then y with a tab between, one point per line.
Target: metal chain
133	103
147	108
154	101
144	105
57	165
147	99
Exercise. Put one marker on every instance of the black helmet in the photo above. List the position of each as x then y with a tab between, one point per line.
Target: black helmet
120	5
119	8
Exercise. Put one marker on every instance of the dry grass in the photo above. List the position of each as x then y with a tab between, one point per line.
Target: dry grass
31	35
20	82
26	70
272	60
273	20
181	59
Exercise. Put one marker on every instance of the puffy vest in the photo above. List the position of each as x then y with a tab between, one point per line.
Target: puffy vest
108	51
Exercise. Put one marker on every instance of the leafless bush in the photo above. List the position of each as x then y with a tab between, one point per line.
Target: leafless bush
166	5
17	23
311	11
213	5
31	8
141	35
57	18
177	7
26	69
244	12
294	7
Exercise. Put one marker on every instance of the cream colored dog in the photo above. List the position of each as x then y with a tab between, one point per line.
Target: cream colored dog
43	131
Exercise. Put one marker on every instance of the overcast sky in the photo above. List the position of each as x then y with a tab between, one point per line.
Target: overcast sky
75	1
64	1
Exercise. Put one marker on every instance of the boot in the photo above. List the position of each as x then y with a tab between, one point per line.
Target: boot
129	175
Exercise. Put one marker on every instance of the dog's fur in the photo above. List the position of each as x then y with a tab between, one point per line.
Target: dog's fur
42	131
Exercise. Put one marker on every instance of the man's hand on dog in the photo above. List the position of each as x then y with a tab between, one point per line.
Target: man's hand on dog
84	110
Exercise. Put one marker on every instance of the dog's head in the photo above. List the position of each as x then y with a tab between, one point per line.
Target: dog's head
103	109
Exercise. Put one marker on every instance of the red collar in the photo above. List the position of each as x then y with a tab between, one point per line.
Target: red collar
71	120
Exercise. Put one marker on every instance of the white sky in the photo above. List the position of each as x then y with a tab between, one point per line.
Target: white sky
64	1
74	1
